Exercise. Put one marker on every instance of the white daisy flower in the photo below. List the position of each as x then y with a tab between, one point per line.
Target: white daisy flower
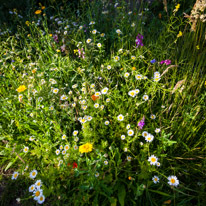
38	183
64	136
102	34
57	152
153	160
26	149
105	162
125	149
37	193
76	139
118	31
96	105
123	137
64	97
41	199
15	175
116	58
145	97
144	134
94	31
155	179
129	158
136	91
83	120
120	117
75	147
91	23
33	174
73	104
128	126
130	132
97	94
149	138
126	74
157	130
89	118
138	76
109	67
104	90
99	45
66	147
63	152
158	164
106	122
75	132
61	147
133	57
132	93
152	116
108	100
32	188
173	181
92	85
55	90
97	174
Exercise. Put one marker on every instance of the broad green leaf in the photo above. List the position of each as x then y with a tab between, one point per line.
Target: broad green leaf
121	194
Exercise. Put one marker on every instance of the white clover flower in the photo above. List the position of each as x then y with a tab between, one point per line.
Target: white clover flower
15	175
153	160
33	174
104	90
173	181
155	179
120	117
130	132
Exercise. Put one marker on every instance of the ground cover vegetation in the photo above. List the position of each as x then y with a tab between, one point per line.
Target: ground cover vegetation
103	103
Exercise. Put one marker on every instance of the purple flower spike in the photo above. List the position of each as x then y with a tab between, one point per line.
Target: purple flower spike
141	123
139	40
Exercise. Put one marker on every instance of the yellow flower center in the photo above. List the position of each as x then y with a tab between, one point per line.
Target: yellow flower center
37	193
155	179
41	198
15	175
153	159
172	181
33	173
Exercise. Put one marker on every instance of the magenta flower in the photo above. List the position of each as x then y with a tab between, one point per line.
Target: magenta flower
55	37
141	123
139	40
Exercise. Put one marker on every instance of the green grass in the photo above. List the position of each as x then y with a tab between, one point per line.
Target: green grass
31	57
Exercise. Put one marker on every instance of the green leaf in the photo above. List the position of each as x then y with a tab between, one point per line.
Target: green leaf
161	193
121	194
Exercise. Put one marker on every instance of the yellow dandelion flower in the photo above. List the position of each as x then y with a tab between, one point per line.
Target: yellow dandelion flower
85	148
43	7
179	35
38	12
21	88
27	23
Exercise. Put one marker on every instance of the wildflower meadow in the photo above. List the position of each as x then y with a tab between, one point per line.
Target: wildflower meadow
103	103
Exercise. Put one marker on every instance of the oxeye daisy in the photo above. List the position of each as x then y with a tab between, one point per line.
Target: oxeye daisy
26	149
155	179
122	137
153	160
145	97
15	175
75	132
64	97
152	116
106	122
99	45
64	136
144	134
126	74
41	199
132	93
173	181
120	117
32	188
149	138
138	76
129	158
33	174
130	132
109	67
66	147
96	105
104	90
55	90
57	152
